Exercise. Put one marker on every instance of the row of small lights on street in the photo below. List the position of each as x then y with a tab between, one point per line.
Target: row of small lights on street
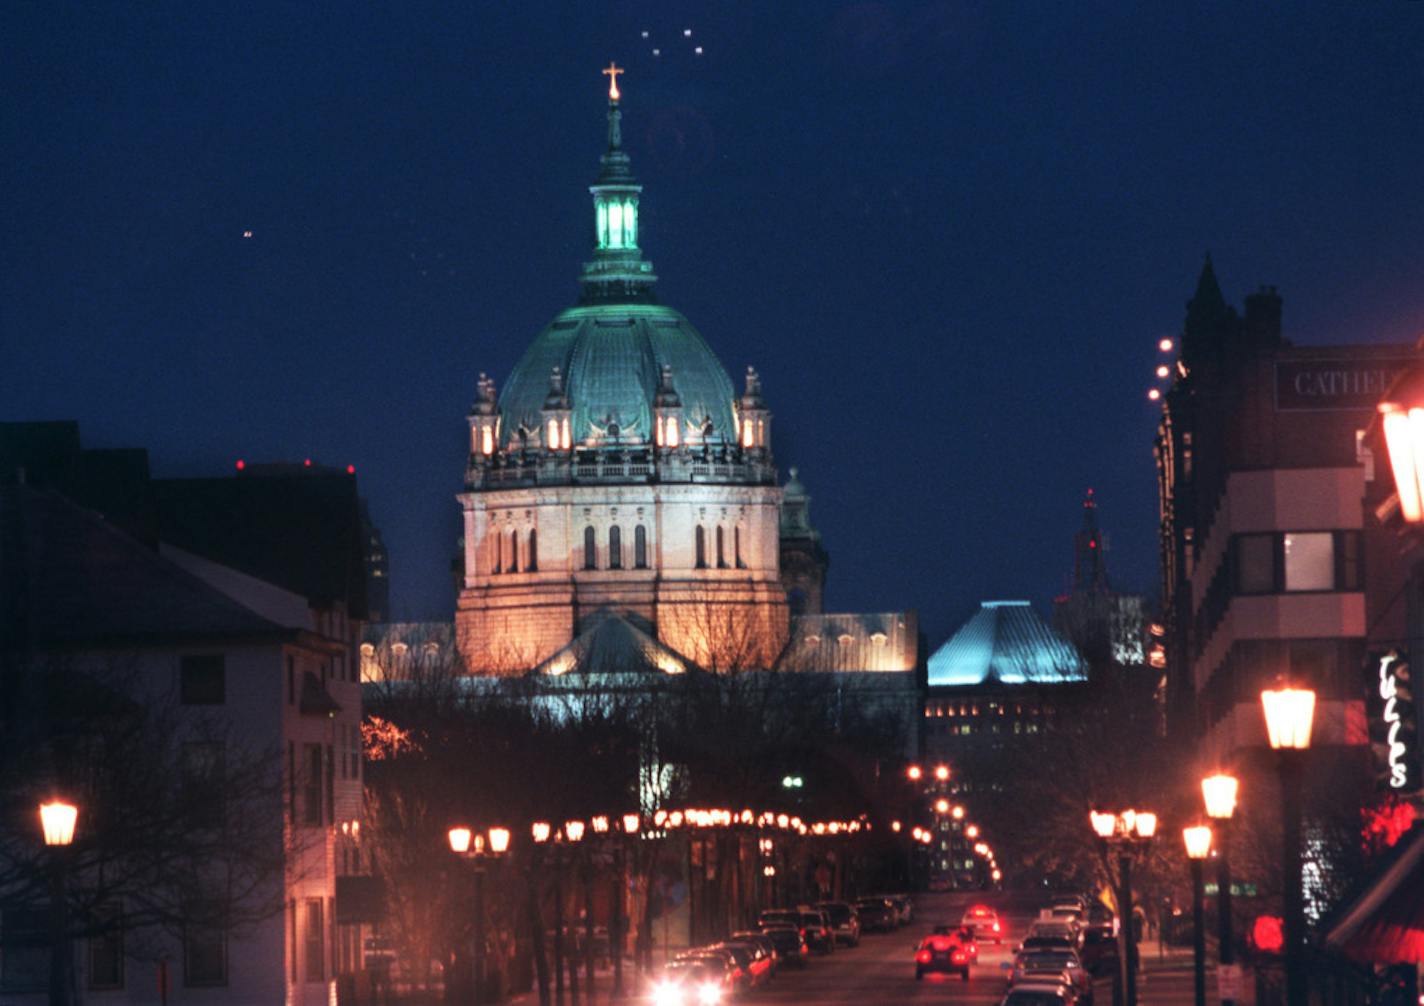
497	842
942	806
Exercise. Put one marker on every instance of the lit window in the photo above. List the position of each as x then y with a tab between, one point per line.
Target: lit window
671	437
487	440
748	433
602	225
630	225
553	434
1310	561
615	226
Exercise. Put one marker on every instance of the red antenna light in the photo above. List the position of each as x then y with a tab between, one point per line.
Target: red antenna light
350	469
241	464
306	463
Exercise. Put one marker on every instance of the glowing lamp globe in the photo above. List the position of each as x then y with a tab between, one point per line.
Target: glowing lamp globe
1404	438
914	773
1146	823
957	813
600	824
573	831
460	840
630	823
499	841
942	772
1103	824
1219	792
57	819
972	831
1198	841
540	831
941	806
1290	712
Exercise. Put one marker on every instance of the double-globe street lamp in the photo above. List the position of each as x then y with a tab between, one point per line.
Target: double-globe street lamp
1127	833
57	821
1219	794
1290	714
475	847
1198	842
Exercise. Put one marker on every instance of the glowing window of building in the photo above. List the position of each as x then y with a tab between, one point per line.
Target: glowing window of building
615	225
487	439
566	442
1310	561
602	225
748	433
630	224
553	438
671	431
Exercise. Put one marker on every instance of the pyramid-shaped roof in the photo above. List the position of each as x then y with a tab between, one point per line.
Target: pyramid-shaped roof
1007	642
612	645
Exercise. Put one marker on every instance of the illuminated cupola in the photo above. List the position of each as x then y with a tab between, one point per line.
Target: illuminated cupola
667	412
617	271
556	414
484	422
753	418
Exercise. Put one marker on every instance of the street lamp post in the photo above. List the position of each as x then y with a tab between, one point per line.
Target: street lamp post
617	926
464	842
1126	833
1198	842
1290	713
1219	793
57	820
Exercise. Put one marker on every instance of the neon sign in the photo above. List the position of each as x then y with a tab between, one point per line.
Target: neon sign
1394	722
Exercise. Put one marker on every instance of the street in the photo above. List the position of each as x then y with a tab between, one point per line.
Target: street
880	972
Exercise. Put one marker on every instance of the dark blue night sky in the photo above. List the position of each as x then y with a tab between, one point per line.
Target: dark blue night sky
949	236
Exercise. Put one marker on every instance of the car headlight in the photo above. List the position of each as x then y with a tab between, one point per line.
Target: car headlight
708	994
667	994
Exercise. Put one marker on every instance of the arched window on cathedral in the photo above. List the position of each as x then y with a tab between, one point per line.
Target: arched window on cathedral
701	547
496	552
590	549
640	547
514	551
721	548
531	561
737	547
615	547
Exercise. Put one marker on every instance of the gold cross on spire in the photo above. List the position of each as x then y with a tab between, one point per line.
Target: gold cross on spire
612	73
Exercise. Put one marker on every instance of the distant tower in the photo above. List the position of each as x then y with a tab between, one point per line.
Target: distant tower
1105	626
803	559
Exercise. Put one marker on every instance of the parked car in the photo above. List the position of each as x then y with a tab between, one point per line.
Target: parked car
875	914
845	921
789	943
819	933
761	940
905	905
1099	951
753	963
1059	966
946	950
1040	994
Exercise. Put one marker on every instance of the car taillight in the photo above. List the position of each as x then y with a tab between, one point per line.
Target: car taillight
923	957
996	927
803	934
959	957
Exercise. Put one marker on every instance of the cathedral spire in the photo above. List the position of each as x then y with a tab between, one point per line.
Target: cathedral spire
618	272
1090	572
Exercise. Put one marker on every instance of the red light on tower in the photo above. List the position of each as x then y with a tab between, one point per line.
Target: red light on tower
241	464
306	463
350	469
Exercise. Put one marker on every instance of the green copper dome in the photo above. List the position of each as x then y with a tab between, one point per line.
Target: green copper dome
611	357
615	350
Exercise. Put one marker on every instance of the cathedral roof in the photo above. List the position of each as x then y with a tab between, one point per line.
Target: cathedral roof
612	645
611	356
616	348
1007	642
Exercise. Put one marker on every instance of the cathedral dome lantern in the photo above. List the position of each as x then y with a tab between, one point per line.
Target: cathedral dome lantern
484	421
753	417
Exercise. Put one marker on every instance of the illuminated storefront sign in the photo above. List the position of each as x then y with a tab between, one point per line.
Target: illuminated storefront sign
1393	730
